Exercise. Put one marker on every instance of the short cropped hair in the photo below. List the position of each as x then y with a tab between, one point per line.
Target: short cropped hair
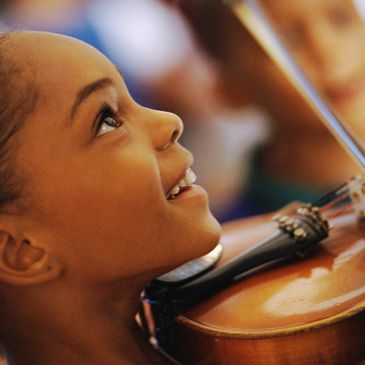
18	97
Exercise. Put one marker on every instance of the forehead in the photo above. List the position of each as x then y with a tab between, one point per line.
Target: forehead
59	65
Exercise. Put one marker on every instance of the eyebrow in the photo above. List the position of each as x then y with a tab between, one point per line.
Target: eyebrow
87	90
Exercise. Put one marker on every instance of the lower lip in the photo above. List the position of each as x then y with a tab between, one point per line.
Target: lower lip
191	192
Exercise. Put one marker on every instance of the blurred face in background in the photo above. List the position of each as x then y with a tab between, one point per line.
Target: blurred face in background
327	37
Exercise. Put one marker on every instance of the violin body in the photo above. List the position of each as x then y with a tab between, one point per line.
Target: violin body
301	311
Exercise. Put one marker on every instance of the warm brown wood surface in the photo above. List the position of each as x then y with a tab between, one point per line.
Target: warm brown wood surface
302	311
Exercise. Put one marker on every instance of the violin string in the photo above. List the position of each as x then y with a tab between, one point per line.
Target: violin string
340	211
329	197
339	199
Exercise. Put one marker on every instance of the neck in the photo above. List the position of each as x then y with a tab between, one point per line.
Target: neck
309	159
83	327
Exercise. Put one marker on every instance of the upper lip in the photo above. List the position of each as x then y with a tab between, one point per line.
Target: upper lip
186	164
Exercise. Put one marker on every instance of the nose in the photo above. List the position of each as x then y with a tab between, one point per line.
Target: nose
165	129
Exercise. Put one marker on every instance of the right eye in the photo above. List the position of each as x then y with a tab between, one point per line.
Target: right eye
107	122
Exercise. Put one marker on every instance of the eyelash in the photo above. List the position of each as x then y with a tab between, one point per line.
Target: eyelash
106	113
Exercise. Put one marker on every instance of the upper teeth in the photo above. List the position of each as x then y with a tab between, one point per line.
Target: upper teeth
188	179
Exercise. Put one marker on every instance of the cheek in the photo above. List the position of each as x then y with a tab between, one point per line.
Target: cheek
105	218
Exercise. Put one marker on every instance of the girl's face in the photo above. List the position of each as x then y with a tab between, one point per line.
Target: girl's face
100	167
327	37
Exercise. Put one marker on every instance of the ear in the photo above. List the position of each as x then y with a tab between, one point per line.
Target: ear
22	263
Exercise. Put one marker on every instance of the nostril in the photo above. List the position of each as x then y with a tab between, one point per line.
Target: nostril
175	135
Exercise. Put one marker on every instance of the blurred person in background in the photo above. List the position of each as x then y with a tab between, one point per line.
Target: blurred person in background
301	160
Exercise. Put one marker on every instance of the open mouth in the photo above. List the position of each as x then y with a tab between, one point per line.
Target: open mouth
182	185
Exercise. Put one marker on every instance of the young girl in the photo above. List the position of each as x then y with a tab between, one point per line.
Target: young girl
97	198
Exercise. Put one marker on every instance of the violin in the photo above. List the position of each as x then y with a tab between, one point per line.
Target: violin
282	289
307	308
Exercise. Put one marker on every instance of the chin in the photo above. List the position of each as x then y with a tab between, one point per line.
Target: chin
209	235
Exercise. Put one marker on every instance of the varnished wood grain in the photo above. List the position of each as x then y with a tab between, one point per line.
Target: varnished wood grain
301	311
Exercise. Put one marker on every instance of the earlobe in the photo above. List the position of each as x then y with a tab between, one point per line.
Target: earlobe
22	263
